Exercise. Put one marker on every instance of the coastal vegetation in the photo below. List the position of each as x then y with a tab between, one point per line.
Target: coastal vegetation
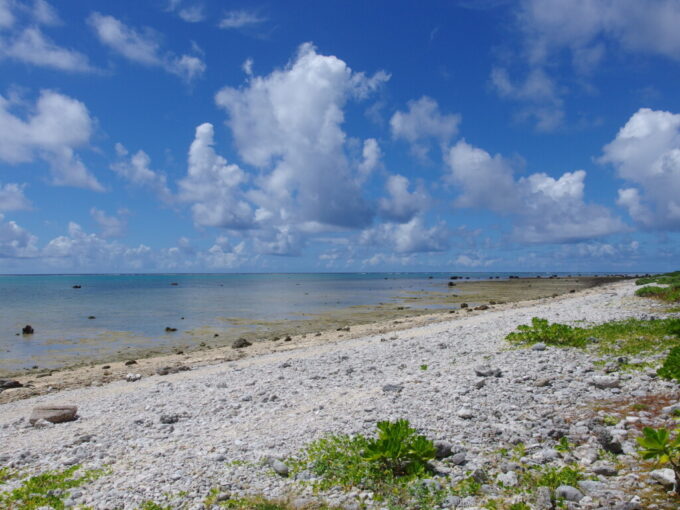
670	292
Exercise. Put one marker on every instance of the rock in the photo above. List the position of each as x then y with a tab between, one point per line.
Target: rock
604	469
6	384
393	388
27	330
628	505
463	305
279	467
90	317
604	437
543	499
508	479
569	493
240	343
540	346
665	477
130	362
542	383
169	419
288	339
431	484
593	340
480	384
133	377
53	414
168	329
77	287
482	307
443	449
465	413
590	486
487	371
604	382
451	502
172	370
457	459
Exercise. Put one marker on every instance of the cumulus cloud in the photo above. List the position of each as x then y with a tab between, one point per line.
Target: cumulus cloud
423	121
193	13
213	185
55	127
371	155
15	242
546	209
240	19
410	237
288	124
136	170
402	205
7	17
143	47
33	47
646	153
110	226
12	197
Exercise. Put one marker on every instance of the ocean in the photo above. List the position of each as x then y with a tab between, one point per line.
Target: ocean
111	314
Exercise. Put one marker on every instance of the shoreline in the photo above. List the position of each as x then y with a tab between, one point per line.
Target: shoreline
173	439
344	326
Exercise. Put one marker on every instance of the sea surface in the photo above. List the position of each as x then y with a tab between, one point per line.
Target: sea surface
131	311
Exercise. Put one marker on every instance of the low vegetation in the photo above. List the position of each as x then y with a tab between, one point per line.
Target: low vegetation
669	293
49	489
660	445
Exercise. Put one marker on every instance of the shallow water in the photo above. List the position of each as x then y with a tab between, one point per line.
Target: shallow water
132	311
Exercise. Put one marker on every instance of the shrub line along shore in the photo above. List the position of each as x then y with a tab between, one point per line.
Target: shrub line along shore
515	428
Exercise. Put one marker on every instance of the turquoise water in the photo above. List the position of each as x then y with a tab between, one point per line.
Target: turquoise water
137	308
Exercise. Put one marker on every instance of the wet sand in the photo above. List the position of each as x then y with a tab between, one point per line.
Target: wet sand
213	345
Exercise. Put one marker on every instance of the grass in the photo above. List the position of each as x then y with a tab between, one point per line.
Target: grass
49	489
621	338
669	293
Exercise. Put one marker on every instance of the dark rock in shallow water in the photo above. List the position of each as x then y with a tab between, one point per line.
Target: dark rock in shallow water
77	286
168	329
91	317
130	362
27	330
482	307
241	343
463	305
6	384
53	414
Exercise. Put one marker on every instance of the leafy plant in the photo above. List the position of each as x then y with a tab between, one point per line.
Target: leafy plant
658	444
541	330
46	489
151	505
563	445
400	449
671	365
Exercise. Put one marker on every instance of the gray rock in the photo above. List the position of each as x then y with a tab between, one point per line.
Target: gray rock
392	388
431	484
629	505
465	413
604	469
508	479
569	493
279	467
604	382
607	441
6	384
457	458
540	346
543	499
133	377
443	449
240	343
169	419
665	477
487	371
590	486
53	414
451	502
542	383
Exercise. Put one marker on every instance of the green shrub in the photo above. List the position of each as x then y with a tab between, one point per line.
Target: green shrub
664	279
659	445
671	365
541	330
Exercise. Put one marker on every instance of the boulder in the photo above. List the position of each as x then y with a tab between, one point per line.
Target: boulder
487	370
603	382
27	330
6	384
443	449
665	477
53	414
569	493
241	343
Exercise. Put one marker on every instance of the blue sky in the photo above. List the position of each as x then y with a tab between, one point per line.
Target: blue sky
189	135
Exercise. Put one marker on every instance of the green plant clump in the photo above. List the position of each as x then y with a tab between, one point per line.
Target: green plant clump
541	330
47	489
390	465
659	445
670	293
671	365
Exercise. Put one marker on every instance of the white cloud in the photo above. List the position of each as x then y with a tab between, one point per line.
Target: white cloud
44	13
371	155
111	226
473	260
143	48
213	185
15	242
12	197
402	205
56	126
547	209
136	170
6	16
240	19
410	237
31	46
646	153
289	124
193	13
422	122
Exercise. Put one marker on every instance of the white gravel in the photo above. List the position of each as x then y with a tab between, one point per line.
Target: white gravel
277	403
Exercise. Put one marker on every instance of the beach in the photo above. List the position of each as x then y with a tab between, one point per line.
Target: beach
173	436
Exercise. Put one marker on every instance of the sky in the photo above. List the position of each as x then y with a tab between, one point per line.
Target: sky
343	135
